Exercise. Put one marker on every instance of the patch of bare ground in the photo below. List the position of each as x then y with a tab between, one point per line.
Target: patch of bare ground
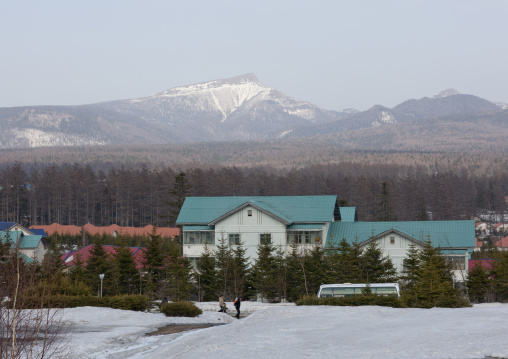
178	328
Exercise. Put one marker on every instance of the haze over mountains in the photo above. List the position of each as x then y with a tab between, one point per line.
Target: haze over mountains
243	109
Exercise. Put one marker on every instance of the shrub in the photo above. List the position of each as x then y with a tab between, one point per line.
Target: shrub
353	301
180	309
127	302
135	302
60	287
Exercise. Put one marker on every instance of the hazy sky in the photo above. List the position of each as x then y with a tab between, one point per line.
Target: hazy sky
335	54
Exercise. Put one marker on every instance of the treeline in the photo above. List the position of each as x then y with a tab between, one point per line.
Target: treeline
77	194
280	154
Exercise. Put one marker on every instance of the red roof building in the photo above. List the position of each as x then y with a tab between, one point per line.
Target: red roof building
84	253
113	230
502	243
486	263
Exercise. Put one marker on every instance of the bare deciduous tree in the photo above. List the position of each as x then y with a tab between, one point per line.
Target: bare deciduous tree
29	327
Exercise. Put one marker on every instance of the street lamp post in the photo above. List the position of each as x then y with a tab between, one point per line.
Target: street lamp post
101	276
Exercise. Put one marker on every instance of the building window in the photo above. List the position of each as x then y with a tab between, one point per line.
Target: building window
457	262
392	240
249	212
234	239
303	237
265	238
198	237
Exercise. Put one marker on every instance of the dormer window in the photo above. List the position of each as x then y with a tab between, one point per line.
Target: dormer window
249	212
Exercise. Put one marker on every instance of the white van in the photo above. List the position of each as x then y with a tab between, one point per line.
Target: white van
348	289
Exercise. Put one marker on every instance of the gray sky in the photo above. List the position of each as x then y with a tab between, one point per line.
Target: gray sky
335	54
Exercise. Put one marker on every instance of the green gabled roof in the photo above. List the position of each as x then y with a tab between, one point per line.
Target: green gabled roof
445	234
291	209
11	235
347	214
25	241
31	241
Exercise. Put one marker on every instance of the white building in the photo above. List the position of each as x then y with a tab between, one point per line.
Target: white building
309	221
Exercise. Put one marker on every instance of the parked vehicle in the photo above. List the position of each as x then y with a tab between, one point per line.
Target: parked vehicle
348	289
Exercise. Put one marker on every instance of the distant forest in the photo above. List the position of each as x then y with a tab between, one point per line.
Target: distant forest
138	195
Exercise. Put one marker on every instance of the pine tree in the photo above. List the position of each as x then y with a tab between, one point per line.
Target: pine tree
127	275
411	267
343	264
153	264
239	270
294	277
385	212
302	259
356	259
264	272
179	276
316	272
376	268
207	276
52	266
99	263
78	273
479	284
434	283
224	263
282	274
180	190
500	277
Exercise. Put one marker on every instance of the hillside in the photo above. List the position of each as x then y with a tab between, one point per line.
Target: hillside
242	109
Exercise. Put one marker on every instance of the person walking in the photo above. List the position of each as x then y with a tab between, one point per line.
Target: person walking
237	303
221	304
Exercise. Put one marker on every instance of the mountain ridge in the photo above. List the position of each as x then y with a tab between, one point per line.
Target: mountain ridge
239	108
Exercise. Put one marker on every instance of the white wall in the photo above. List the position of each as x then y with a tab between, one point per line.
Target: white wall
397	251
35	253
250	228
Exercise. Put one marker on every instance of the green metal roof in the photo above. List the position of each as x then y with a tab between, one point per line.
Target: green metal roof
31	241
198	228
347	214
12	235
453	251
25	241
446	234
291	209
306	226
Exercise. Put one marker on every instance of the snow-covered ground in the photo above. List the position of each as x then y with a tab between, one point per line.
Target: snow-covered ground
288	331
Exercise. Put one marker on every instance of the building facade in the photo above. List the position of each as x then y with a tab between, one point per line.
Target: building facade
308	221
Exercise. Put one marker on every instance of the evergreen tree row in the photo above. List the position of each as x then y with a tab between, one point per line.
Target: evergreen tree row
77	195
425	282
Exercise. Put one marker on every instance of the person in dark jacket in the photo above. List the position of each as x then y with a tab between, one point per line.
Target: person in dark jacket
237	303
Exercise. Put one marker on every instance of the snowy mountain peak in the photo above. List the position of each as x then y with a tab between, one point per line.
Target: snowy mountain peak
225	95
248	80
446	93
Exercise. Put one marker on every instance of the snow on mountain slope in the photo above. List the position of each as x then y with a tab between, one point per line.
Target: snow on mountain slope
227	96
384	118
223	95
239	108
446	93
31	137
